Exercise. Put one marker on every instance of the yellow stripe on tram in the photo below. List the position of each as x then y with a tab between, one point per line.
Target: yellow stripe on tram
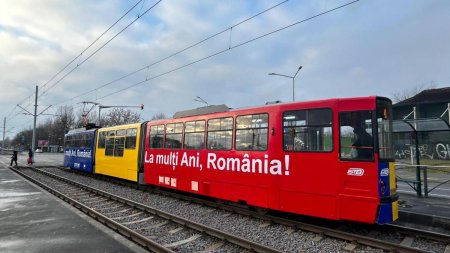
393	190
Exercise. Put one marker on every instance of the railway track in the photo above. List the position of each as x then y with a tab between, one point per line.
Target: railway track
153	229
387	238
413	236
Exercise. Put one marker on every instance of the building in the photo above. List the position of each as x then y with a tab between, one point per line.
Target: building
427	132
431	103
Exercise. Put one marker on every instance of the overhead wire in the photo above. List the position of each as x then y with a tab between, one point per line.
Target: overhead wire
180	51
207	57
79	55
228	49
11	114
101	47
90	45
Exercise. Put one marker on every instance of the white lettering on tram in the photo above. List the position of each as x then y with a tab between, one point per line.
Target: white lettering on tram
245	164
248	165
78	153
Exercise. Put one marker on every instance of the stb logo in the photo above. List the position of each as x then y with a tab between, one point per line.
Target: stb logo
355	172
384	172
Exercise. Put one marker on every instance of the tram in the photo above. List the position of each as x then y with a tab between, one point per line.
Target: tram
330	158
118	151
79	146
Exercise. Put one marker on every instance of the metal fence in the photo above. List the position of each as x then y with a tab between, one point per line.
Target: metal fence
422	153
425	179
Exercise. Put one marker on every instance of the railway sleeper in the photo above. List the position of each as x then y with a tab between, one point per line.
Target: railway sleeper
351	246
181	242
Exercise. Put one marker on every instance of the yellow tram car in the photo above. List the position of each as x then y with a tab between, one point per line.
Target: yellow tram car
117	153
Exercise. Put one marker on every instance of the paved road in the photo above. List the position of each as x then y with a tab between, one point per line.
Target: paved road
438	179
441	191
40	159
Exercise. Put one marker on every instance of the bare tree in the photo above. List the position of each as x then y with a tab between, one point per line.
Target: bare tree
55	128
81	119
159	116
399	96
120	116
64	121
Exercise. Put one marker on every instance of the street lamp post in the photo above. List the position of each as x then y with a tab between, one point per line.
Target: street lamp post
201	100
293	80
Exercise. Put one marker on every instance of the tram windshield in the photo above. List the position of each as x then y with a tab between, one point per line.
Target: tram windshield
384	122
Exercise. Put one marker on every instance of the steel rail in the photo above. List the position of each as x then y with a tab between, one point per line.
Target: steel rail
353	238
138	238
250	245
436	236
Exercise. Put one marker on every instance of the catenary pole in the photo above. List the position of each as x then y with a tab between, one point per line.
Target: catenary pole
4	129
33	141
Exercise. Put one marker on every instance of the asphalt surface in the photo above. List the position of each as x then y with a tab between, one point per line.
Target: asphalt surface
33	220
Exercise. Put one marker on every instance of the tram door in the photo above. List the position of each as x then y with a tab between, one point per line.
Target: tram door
357	165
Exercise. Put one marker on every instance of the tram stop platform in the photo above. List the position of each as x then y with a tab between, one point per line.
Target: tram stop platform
33	220
432	213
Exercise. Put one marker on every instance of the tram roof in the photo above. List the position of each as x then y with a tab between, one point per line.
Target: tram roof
201	111
80	130
224	108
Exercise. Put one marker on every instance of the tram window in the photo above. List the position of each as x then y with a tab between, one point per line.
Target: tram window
251	132
109	147
156	136
67	142
120	132
88	140
130	142
308	130
85	140
356	137
101	139
194	136
220	134
119	144
76	141
384	123
71	141
174	135
81	141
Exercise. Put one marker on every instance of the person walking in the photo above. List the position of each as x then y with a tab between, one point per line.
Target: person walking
14	158
30	156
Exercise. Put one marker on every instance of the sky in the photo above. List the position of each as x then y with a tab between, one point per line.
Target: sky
166	55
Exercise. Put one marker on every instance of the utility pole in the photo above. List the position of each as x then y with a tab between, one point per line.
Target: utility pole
35	114
4	130
33	141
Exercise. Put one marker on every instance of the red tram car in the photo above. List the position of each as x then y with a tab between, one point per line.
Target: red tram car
330	158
